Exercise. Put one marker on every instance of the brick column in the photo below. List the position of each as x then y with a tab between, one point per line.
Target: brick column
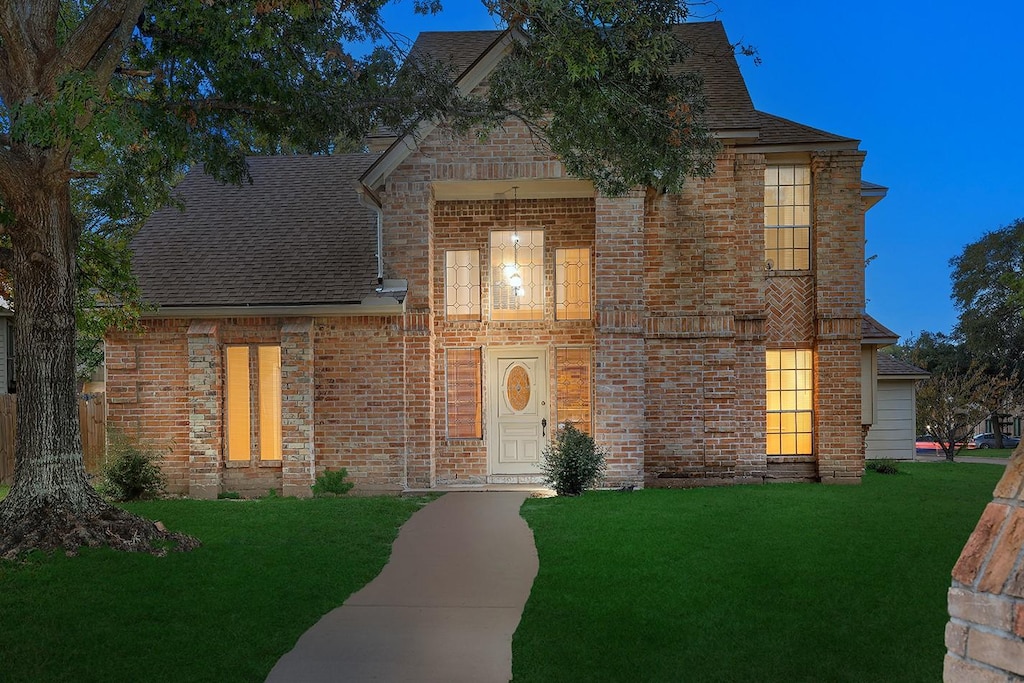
619	343
205	427
418	396
985	633
297	454
838	262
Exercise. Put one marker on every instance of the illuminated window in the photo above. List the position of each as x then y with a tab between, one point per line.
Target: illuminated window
241	375
572	284
517	275
573	386
462	285
463	391
790	401
787	217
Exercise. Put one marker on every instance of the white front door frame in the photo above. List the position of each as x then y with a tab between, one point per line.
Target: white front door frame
519	421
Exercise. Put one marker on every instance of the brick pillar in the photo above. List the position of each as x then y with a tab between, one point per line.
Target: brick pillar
838	262
619	343
205	428
297	456
985	633
419	402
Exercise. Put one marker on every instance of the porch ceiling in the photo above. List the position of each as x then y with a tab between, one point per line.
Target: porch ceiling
528	188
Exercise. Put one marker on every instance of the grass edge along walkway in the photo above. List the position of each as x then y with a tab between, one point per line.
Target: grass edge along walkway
784	582
267	571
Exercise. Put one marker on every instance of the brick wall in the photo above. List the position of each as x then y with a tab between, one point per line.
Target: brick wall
985	633
567	223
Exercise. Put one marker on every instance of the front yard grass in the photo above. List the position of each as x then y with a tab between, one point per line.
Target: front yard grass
266	572
787	582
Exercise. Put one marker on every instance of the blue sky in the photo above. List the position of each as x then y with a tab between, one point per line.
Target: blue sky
935	94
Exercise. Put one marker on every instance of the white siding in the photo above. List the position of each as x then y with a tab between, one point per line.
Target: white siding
892	436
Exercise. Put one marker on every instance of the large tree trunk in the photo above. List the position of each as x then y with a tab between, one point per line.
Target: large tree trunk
52	505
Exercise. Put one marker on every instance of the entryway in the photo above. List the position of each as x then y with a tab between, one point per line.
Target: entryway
518	404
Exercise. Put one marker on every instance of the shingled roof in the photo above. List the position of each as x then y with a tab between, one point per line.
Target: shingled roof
709	53
297	235
890	366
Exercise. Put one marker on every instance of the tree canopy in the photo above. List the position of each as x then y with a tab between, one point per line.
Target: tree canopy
987	279
104	104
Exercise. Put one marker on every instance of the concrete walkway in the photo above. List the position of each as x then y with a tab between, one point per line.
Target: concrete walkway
443	609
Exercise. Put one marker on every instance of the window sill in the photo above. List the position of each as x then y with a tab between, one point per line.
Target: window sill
238	464
787	273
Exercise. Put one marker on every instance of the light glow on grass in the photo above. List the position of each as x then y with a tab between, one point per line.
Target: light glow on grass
785	582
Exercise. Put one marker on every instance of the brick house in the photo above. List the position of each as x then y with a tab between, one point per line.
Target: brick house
425	314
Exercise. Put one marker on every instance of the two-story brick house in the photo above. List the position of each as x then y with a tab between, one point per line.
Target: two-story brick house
427	314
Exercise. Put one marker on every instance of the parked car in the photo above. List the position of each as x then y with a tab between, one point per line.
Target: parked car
988	440
926	443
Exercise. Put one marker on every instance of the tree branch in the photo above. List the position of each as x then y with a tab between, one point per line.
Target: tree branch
104	30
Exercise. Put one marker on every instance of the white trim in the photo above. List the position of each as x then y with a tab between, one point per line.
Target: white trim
371	306
527	188
400	150
809	147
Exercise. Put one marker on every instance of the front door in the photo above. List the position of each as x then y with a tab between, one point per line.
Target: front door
518	391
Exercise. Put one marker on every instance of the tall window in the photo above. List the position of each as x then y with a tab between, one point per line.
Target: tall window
517	275
463	392
572	368
790	401
572	284
253	402
462	285
787	217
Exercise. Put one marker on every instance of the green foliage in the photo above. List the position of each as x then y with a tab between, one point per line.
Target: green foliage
229	495
331	484
131	471
572	463
883	466
988	281
602	83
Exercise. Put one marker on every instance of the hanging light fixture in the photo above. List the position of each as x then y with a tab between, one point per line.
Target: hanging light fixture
515	278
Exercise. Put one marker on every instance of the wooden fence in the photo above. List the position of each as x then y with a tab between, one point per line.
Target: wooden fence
92	415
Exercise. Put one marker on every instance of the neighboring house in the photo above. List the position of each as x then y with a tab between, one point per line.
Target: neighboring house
429	315
894	431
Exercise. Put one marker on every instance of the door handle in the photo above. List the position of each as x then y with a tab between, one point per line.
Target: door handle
544	426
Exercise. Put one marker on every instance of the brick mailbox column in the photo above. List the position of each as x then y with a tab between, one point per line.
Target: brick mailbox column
985	633
297	463
204	400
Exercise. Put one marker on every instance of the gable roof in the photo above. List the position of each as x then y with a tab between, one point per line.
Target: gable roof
297	235
890	366
730	110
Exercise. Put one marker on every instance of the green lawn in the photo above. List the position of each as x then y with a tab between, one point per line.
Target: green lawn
788	582
4	488
225	612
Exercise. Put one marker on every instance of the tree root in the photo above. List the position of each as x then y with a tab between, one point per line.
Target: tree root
48	529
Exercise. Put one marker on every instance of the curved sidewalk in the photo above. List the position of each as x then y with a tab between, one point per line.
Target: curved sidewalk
444	608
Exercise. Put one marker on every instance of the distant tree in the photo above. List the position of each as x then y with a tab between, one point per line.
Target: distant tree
950	403
103	104
988	290
933	351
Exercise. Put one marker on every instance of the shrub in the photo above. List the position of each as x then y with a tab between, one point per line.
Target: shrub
131	470
572	463
229	495
884	466
332	483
